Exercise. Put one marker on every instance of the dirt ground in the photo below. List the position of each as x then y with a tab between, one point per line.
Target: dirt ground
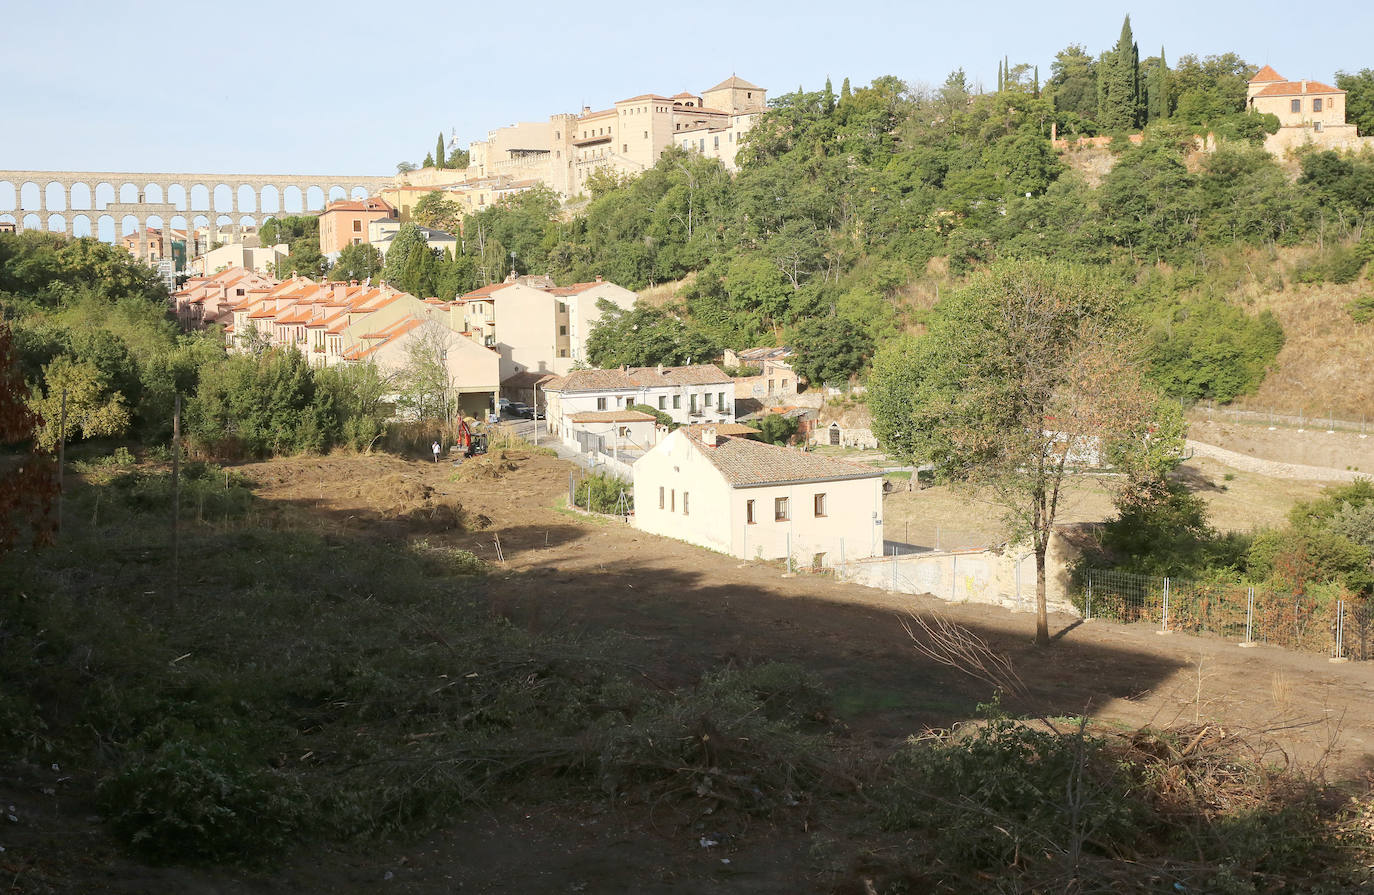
682	610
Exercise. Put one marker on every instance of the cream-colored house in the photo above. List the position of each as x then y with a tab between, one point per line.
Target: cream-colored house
759	501
534	325
1309	113
700	393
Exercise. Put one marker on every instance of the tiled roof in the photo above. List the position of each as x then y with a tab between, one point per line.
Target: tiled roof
736	83
763	354
696	374
1297	88
527	379
643	96
744	463
639	377
695	429
359	205
1266	75
612	416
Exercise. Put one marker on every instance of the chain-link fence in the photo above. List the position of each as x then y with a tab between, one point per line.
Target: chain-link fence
1340	627
1303	418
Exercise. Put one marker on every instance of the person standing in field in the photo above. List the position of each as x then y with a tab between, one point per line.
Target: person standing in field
435	447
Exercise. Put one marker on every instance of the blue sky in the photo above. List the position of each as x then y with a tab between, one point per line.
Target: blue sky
354	87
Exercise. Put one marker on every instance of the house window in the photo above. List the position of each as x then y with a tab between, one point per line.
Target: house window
562	308
684	503
563	330
646	135
662	402
357	226
820	504
780	513
770	385
624	431
1296	106
660	497
1317	126
600	403
677	402
784	385
708	399
624	147
720	401
672	500
749	512
1316	105
717	140
692	402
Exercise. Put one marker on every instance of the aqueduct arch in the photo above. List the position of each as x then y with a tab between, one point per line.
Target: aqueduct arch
42	199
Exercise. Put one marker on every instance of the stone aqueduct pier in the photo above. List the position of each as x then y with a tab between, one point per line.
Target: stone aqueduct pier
133	202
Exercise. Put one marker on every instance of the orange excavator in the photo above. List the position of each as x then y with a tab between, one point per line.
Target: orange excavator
473	443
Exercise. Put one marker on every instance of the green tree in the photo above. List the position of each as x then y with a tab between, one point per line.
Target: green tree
437	212
1119	83
830	350
643	337
1072	86
439	160
409	261
775	428
1027	361
424	384
429	161
360	262
1156	77
94	408
260	404
1359	99
845	91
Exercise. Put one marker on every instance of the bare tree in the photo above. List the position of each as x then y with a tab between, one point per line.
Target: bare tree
424	384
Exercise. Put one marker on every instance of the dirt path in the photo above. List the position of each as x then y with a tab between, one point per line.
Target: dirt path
1273	468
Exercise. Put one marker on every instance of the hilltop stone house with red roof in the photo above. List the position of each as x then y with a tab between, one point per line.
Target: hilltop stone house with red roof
1309	113
758	501
344	222
209	300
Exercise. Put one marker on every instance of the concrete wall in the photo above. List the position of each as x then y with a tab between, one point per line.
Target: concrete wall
583	313
1004	579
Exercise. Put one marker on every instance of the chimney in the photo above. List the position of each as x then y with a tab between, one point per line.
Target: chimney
660	369
708	436
1304	86
598	278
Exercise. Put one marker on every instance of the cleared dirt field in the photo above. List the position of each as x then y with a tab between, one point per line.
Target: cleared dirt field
688	608
681	610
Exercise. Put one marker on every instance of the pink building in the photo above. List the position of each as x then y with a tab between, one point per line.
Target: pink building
344	222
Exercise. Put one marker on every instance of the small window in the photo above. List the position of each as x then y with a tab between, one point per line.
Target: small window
672	500
1316	105
624	147
600	403
1296	106
684	503
357	226
662	402
820	504
749	512
1317	126
646	135
717	141
720	401
784	385
624	431
562	308
677	402
708	399
660	497
563	330
692	403
780	510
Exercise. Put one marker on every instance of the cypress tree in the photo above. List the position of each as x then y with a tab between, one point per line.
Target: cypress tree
1157	104
1118	98
829	96
1000	77
845	92
439	152
429	161
1037	82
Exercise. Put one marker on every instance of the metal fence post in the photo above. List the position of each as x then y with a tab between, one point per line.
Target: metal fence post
1249	617
1165	629
1089	612
1340	632
954	578
894	568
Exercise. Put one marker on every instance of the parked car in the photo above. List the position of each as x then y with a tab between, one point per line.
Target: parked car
517	408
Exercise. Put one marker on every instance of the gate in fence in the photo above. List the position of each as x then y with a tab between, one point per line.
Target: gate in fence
1339	625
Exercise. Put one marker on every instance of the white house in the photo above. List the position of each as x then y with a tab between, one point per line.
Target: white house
759	501
700	393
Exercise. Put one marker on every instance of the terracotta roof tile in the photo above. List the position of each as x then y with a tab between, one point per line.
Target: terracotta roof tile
612	416
1298	88
744	463
1266	75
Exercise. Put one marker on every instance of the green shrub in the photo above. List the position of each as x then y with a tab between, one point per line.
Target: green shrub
1362	309
185	801
602	493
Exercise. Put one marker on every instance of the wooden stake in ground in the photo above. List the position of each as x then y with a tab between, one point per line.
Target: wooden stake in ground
61	456
176	495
